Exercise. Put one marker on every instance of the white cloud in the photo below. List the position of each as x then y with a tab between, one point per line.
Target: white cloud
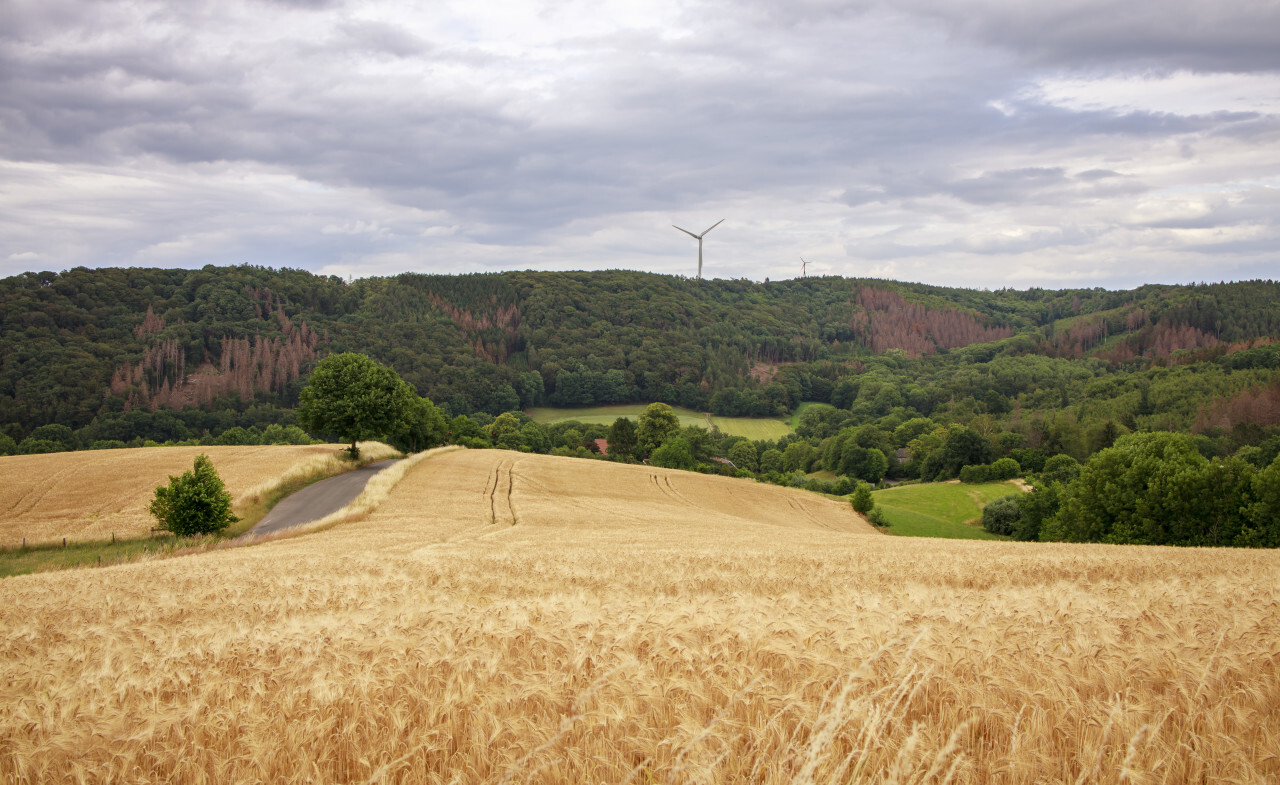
1178	93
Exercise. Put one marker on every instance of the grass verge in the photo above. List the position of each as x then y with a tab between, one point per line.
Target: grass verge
250	508
375	492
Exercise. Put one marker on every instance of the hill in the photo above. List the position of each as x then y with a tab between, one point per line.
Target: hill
117	355
616	623
91	495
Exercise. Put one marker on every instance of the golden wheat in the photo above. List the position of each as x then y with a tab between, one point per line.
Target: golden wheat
512	618
89	495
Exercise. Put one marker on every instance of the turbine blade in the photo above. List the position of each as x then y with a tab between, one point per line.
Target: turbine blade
686	231
714	225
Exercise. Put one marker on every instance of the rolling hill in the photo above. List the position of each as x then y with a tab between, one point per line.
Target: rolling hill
89	495
512	617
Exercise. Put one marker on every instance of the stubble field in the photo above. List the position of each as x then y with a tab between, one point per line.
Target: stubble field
514	618
89	495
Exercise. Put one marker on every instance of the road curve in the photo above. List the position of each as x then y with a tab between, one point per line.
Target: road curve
317	500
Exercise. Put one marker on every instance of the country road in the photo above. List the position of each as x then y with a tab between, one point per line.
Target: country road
317	500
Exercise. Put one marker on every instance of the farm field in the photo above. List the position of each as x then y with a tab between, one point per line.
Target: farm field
525	618
940	509
90	494
750	427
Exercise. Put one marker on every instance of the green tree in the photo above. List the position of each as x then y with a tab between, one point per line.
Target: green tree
535	438
1005	469
1001	516
771	461
622	438
1060	468
657	422
30	446
861	500
424	426
1036	507
1263	527
964	447
354	398
196	502
1155	489
504	432
744	455
674	453
7	445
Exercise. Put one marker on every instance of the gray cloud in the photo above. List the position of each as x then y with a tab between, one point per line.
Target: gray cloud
569	137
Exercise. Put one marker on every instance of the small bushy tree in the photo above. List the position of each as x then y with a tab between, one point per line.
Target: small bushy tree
1005	469
861	500
194	503
1001	516
975	474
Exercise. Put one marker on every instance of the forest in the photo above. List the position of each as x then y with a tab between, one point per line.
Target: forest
892	380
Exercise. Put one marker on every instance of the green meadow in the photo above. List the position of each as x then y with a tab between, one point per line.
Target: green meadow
941	509
750	427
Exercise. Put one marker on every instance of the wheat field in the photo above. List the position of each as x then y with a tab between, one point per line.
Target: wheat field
89	495
514	618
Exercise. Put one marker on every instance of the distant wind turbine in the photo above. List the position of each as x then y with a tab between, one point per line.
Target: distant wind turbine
803	266
699	237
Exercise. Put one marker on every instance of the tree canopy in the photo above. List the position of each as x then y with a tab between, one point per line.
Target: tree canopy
354	398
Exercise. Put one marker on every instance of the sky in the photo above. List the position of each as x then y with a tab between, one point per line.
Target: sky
984	144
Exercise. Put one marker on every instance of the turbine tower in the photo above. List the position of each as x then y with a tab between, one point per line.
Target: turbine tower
803	267
699	237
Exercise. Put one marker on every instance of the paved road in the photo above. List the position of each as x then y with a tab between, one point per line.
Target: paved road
317	500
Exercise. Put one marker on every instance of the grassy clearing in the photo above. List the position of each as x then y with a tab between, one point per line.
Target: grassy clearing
750	427
794	422
251	505
951	510
523	618
754	428
605	415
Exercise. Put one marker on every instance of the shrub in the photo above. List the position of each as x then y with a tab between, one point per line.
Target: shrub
1001	516
30	446
975	474
862	501
194	503
876	517
1005	469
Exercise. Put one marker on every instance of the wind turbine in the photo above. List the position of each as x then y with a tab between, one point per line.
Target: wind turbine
803	266
699	237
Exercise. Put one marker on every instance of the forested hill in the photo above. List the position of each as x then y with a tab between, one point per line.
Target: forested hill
169	352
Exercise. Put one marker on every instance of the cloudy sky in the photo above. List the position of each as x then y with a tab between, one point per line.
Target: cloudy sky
988	143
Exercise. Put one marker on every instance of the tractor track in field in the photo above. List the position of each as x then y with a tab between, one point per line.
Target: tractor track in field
499	488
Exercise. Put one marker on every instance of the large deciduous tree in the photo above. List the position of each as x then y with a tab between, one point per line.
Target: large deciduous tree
1157	489
352	397
657	422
